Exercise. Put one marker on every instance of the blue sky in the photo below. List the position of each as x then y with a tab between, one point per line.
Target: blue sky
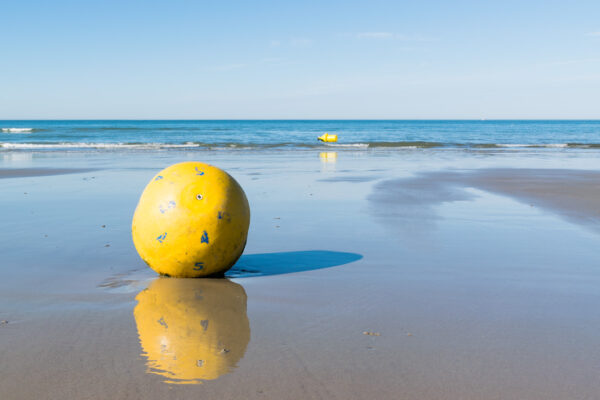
268	59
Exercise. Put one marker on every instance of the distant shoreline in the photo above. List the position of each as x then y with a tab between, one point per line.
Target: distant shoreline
307	119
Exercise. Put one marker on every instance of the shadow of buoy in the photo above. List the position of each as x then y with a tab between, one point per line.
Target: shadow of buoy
192	330
288	262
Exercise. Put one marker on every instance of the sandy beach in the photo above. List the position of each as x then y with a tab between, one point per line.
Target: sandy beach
371	274
339	200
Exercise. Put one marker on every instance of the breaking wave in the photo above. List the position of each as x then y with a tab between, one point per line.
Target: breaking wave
408	145
17	130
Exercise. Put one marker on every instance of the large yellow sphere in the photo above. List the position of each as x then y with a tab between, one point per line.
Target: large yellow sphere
192	220
192	330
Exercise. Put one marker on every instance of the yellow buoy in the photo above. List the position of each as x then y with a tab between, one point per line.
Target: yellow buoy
327	137
192	220
192	330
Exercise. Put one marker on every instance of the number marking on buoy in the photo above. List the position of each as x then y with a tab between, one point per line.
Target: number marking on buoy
171	204
162	237
224	215
199	266
204	238
198	172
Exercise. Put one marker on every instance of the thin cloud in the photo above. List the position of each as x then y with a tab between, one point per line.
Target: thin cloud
276	62
293	42
375	35
571	62
391	35
597	34
301	42
227	67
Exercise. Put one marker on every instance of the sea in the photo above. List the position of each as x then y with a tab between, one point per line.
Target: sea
298	134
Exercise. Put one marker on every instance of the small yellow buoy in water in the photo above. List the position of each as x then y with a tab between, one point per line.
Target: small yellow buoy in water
327	137
192	220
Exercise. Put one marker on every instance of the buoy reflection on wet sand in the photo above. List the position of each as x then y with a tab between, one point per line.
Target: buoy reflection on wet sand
328	156
192	330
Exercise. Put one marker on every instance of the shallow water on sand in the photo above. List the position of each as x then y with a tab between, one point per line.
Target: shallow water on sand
458	292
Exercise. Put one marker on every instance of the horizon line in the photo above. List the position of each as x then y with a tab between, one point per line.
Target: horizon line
302	119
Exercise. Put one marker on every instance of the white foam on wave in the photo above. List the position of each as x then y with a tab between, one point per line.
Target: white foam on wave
42	146
17	130
549	145
355	145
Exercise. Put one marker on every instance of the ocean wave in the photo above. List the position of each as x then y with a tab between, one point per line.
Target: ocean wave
149	128
483	146
425	145
208	146
142	146
551	145
17	130
107	128
418	144
43	146
350	145
408	145
584	145
533	145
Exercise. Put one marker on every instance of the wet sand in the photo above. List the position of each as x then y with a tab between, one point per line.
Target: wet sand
573	194
30	172
410	280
